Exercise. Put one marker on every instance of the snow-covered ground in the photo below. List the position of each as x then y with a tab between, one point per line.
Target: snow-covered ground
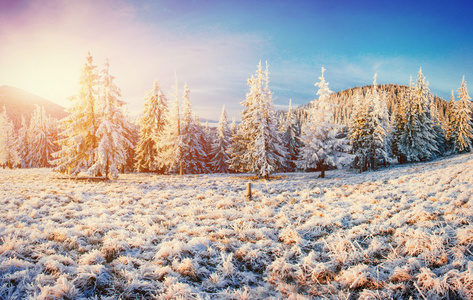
398	232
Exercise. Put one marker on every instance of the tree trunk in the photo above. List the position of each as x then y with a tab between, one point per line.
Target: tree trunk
322	171
373	163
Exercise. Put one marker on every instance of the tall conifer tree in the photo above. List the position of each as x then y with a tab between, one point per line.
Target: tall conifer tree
112	134
152	130
418	141
291	139
257	146
462	127
24	144
398	121
79	143
42	139
450	116
9	154
322	147
171	156
219	155
192	136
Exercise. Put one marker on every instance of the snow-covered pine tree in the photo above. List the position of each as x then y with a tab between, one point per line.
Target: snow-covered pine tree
418	139
322	147
54	133
152	130
209	137
257	146
79	142
111	154
291	139
357	131
9	154
24	143
378	118
193	154
171	154
3	139
368	129
281	122
133	135
219	154
205	140
462	127
233	128
438	130
450	119
237	148
398	121
42	139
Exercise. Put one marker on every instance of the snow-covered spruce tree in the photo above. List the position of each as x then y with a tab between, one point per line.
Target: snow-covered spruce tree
291	139
171	154
233	128
322	147
204	137
398	121
439	132
208	139
378	123
24	143
9	154
42	139
3	140
368	130
219	154
79	142
462	127
193	154
133	135
357	130
111	154
257	146
450	119
152	129
418	138
237	149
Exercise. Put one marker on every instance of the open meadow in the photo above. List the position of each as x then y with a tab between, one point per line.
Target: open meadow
395	233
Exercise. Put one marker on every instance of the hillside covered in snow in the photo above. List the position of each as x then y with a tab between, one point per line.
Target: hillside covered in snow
20	103
395	233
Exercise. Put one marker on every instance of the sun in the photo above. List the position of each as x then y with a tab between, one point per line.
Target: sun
35	70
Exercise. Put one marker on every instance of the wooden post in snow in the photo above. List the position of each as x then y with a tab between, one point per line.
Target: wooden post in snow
248	190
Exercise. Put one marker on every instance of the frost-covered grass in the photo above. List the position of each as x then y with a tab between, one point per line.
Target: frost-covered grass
396	233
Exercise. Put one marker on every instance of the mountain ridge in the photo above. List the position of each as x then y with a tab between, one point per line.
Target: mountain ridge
19	102
344	101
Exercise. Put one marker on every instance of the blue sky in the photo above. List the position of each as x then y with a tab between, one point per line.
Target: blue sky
215	46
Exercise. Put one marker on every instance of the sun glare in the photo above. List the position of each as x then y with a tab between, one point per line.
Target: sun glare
53	78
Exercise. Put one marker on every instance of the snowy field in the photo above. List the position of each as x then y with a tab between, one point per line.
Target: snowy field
395	233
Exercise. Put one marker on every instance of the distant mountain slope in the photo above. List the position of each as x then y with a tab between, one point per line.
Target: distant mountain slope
19	102
344	101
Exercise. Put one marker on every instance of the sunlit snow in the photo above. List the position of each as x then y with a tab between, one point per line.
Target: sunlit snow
398	232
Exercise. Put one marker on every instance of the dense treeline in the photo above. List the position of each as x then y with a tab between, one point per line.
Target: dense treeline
363	127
